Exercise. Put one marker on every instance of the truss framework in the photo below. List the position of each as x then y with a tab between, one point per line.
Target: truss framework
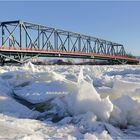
21	35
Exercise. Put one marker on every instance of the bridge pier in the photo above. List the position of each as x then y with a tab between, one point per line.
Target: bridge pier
117	62
113	62
2	61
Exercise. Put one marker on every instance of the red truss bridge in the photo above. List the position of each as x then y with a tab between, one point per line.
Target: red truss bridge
21	41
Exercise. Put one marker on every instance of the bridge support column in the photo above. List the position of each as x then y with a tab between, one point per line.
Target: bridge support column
2	61
111	62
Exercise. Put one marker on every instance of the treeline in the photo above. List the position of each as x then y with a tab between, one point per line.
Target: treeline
130	55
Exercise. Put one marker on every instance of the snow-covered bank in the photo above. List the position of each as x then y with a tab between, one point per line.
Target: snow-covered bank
88	102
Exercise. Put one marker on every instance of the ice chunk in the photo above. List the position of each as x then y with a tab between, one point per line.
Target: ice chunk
43	91
86	99
126	112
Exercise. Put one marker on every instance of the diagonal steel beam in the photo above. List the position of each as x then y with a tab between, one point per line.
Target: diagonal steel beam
10	33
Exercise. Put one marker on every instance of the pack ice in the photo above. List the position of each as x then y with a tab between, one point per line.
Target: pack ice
69	102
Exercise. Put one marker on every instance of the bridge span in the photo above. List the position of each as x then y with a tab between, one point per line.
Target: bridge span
21	41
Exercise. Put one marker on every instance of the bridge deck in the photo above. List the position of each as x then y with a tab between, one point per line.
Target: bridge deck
61	53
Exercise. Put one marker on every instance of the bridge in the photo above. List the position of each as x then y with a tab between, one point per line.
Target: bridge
21	41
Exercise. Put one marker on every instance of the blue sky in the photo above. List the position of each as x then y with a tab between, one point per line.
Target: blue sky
114	21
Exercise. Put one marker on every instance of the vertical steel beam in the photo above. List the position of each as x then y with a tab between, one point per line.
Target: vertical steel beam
3	34
88	50
55	40
116	50
42	39
38	36
79	43
105	48
68	42
26	40
20	27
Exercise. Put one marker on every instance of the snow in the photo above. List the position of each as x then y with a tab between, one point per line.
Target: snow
74	102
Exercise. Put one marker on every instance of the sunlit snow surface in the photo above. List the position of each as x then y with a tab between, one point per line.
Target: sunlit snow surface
69	102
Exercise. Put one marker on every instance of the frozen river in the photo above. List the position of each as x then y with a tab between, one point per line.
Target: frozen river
69	102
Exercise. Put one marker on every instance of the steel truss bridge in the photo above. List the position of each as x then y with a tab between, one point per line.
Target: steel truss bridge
21	41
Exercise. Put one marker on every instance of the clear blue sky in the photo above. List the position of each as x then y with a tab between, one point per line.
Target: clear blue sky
115	21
